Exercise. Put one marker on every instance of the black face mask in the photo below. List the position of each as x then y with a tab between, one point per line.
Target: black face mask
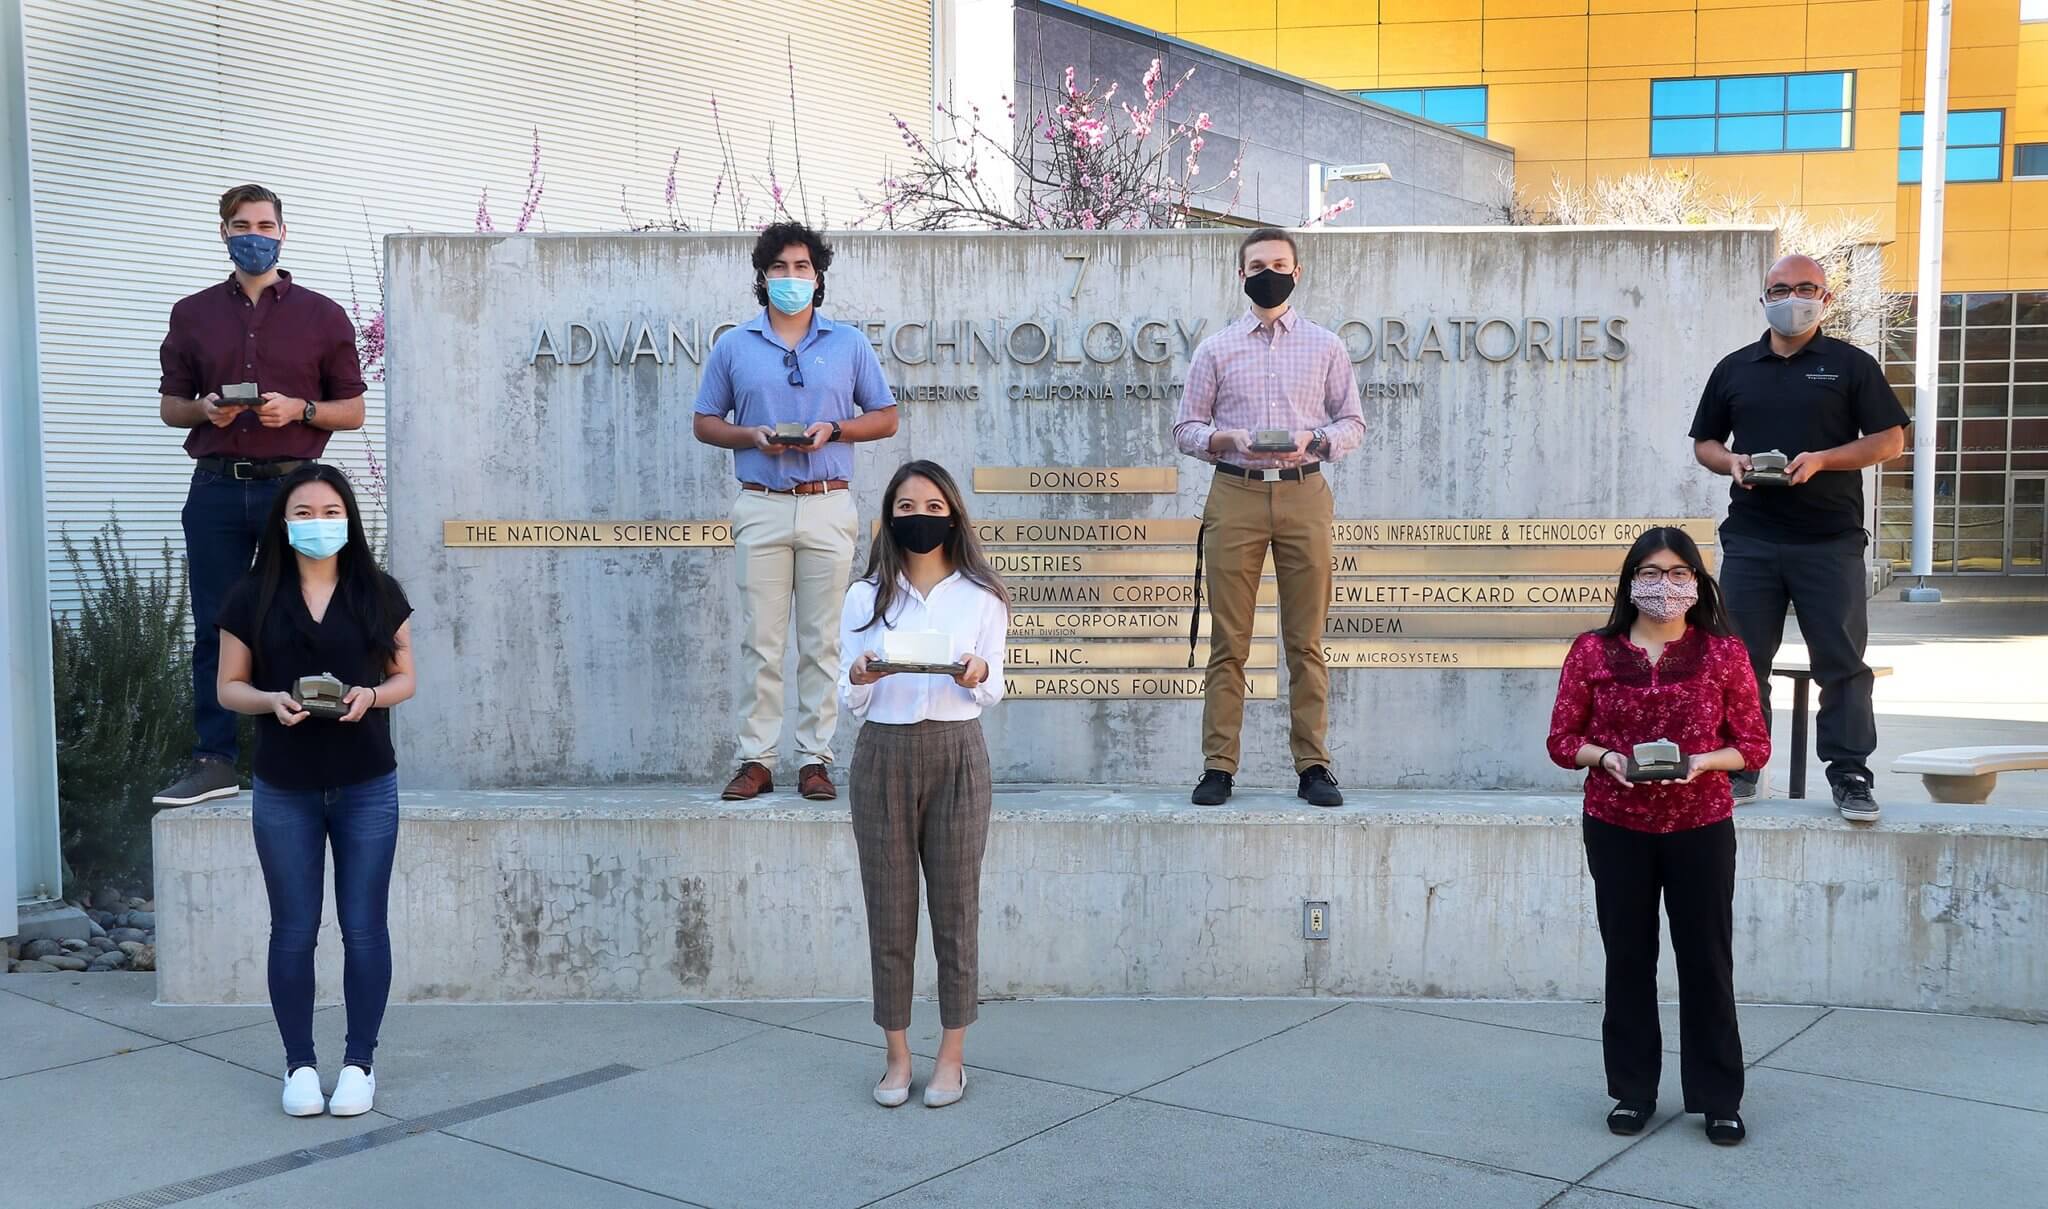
1268	288
920	534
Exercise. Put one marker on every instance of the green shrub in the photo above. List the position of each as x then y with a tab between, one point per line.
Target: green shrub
123	664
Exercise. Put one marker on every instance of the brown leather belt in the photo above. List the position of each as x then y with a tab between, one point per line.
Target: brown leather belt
817	487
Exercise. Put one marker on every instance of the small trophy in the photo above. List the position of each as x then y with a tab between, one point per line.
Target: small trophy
1272	440
241	394
1657	761
1767	470
789	434
321	696
929	652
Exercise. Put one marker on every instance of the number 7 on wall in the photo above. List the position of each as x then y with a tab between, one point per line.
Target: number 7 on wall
1080	260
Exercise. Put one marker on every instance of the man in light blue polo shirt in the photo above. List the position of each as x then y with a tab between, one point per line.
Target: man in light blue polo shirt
793	527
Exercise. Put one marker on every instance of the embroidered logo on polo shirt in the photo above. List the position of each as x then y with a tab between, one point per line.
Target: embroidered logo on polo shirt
1820	374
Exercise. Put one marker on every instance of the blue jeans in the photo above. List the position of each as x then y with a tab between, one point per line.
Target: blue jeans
223	521
293	830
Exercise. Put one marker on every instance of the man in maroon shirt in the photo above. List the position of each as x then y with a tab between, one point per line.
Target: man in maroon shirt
297	349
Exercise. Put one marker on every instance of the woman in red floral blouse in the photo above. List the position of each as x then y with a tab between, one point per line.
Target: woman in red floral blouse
1665	666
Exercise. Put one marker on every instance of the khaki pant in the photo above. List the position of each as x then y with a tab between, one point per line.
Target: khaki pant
1241	520
791	554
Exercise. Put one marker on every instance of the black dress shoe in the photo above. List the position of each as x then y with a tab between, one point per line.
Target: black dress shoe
1725	1128
1630	1116
1319	788
1213	789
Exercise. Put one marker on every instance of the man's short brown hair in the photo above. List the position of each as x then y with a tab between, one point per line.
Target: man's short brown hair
241	195
1263	235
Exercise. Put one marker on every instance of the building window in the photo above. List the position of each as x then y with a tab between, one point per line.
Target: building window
1744	115
2033	10
1459	108
2030	160
1975	139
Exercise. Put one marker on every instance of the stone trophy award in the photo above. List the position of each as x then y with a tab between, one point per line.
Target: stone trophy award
926	652
321	696
1656	761
1767	470
1272	440
789	434
240	394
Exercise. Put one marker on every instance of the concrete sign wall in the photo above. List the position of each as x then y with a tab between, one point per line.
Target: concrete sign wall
1526	394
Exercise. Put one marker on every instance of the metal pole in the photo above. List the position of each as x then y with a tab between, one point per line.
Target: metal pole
1927	329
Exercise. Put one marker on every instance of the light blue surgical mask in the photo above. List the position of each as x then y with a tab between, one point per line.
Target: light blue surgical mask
318	539
790	295
254	254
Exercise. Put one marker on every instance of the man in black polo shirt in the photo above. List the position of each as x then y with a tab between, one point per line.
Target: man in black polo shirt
1826	406
298	349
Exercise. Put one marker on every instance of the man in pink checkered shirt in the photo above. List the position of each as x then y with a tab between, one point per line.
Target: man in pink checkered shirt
1270	370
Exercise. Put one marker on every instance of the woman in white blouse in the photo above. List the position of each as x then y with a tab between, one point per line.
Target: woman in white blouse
920	789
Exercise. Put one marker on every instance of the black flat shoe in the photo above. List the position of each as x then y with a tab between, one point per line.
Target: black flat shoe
1629	1117
1726	1130
1213	789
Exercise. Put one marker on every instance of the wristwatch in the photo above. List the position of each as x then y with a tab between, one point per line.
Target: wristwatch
1319	444
308	417
835	432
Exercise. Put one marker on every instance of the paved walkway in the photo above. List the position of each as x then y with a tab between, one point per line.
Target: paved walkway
1124	1104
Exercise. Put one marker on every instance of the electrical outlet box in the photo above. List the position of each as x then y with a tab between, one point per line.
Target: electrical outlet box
1315	920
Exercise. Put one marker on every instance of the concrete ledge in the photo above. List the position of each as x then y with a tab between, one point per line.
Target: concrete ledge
669	893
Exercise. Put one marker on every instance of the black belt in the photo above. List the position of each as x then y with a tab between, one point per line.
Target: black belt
244	470
1293	474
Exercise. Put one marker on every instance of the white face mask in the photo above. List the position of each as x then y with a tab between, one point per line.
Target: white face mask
1791	317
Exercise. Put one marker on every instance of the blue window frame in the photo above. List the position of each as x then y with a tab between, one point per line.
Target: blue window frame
1976	141
1459	108
1747	115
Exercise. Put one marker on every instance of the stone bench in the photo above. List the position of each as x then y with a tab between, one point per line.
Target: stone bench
1966	774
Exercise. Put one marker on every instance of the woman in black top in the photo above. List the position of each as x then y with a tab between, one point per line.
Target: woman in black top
317	604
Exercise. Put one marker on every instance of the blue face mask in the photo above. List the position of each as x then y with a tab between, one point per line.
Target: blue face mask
254	254
790	295
318	539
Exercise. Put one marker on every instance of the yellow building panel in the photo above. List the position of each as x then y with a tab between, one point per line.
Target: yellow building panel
1773	180
1612	138
1751	67
1982	76
1540	140
1426	79
1867	175
1734	34
1884	216
1530	75
1329	12
1258	45
1642	6
1565	100
1979	257
1618	99
1429	47
1981	23
1615	169
1644	71
1877	88
1978	207
1393	11
1853	27
1535	43
2029	121
1200	16
1537	178
2028	268
1152	14
1322	53
1496	9
1620	39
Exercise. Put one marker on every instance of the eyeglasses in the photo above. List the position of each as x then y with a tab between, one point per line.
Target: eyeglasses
1805	289
796	372
1677	575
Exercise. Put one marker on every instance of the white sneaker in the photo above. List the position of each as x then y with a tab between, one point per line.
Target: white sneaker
302	1096
354	1093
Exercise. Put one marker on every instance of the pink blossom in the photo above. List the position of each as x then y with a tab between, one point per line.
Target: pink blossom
483	211
668	192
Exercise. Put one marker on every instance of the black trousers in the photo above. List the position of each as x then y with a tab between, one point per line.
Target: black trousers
1695	871
1825	582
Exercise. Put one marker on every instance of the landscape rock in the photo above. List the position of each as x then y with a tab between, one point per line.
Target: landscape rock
132	947
35	950
142	919
72	944
116	960
121	935
145	960
93	927
33	967
74	964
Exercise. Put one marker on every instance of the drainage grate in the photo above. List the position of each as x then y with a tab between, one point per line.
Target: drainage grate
234	1177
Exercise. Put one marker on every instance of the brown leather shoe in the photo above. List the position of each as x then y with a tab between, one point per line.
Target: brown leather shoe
815	783
751	781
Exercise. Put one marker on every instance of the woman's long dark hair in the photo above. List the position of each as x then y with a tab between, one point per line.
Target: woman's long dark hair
886	559
371	597
1707	613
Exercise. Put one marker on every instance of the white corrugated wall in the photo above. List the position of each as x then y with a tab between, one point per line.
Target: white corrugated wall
375	116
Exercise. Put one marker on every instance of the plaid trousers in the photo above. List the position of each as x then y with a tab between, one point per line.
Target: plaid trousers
920	795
